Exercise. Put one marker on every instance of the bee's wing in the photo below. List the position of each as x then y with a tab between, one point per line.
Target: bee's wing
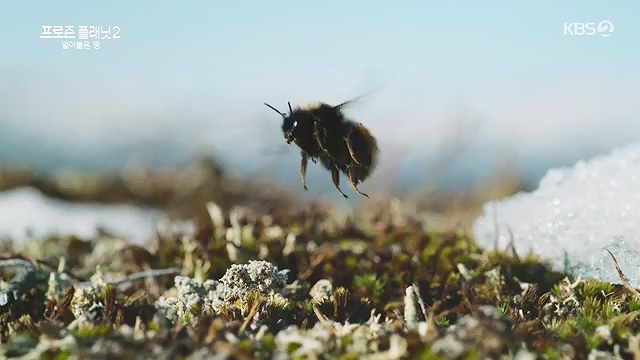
348	102
361	144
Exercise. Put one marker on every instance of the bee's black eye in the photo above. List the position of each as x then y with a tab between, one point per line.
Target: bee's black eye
295	123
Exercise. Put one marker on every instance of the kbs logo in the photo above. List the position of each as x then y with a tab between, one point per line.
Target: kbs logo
603	28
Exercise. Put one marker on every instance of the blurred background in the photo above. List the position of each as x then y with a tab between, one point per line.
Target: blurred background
465	98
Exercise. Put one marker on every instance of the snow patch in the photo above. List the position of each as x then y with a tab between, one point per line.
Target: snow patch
581	210
26	210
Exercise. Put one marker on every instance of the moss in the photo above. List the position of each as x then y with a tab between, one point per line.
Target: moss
371	284
594	289
88	331
350	264
349	357
634	304
552	354
187	317
268	343
470	354
441	320
426	354
56	355
152	326
291	347
244	346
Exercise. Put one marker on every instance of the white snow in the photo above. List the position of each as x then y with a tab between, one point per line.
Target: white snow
581	210
26	210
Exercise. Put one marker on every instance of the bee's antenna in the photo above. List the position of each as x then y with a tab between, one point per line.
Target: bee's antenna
290	109
276	110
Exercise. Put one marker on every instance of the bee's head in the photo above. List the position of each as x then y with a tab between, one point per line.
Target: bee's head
289	123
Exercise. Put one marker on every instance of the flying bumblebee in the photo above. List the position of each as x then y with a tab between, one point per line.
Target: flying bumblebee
323	133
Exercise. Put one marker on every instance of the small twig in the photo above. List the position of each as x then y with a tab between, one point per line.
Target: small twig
146	274
511	245
434	308
323	319
40	265
623	278
432	331
496	226
13	262
316	260
423	307
136	276
137	296
252	313
449	311
634	346
178	327
151	283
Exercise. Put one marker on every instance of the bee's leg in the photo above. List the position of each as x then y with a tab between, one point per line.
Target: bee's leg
335	178
349	142
352	182
303	169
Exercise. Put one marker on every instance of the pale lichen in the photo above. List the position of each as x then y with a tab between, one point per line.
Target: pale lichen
191	299
89	297
56	285
260	275
410	310
321	290
357	340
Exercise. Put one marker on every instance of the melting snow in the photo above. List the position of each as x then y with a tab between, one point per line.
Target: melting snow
581	210
26	210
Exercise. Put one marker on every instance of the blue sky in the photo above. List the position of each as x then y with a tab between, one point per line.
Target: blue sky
202	69
232	47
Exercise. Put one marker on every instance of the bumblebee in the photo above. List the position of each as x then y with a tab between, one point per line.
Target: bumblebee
323	133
